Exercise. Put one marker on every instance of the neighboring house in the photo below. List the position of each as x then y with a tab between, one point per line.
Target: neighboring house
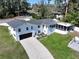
21	29
58	15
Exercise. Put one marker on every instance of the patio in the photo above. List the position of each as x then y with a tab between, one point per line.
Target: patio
74	44
61	31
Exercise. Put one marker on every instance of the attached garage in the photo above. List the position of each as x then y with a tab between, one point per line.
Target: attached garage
23	36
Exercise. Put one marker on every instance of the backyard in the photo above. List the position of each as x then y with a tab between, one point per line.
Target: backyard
9	48
57	45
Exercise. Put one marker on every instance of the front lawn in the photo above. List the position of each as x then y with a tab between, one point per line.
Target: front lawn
9	48
57	45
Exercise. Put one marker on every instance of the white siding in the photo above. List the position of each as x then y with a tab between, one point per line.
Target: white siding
45	29
35	29
13	32
24	30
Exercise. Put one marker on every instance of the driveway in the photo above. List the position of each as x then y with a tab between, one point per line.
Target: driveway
35	49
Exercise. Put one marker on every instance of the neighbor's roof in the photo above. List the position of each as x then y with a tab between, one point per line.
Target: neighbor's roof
42	21
16	23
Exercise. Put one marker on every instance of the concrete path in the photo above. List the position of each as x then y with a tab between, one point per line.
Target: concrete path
35	49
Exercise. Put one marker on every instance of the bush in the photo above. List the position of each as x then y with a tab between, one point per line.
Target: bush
35	16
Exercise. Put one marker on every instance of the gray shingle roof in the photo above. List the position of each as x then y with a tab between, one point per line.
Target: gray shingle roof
42	21
16	23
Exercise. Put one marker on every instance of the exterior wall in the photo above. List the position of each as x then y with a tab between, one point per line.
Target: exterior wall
50	30
76	29
35	31
24	31
12	32
45	29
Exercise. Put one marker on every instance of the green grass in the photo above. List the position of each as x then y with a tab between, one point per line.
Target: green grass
57	45
9	48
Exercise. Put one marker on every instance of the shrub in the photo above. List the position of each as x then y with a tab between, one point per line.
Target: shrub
35	16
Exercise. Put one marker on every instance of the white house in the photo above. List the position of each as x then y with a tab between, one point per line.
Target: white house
58	15
21	29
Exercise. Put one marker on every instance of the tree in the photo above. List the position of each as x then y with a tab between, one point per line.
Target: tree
58	3
73	18
41	10
9	7
73	5
62	5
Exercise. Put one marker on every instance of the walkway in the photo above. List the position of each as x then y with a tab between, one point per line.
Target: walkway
74	45
35	49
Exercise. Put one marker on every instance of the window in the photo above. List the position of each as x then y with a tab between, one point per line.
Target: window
31	27
27	28
43	26
52	26
38	26
14	29
19	30
38	31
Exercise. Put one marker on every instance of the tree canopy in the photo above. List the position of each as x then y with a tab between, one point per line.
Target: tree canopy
12	7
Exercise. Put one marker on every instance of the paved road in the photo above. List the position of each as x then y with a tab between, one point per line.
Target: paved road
35	49
17	18
5	20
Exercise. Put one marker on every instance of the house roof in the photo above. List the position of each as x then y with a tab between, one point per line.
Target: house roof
42	21
16	23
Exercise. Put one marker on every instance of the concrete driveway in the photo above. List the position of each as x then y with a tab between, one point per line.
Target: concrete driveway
35	49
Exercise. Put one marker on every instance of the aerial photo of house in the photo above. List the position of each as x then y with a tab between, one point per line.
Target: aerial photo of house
39	29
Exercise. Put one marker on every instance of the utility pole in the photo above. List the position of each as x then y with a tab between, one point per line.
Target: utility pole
66	6
18	7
